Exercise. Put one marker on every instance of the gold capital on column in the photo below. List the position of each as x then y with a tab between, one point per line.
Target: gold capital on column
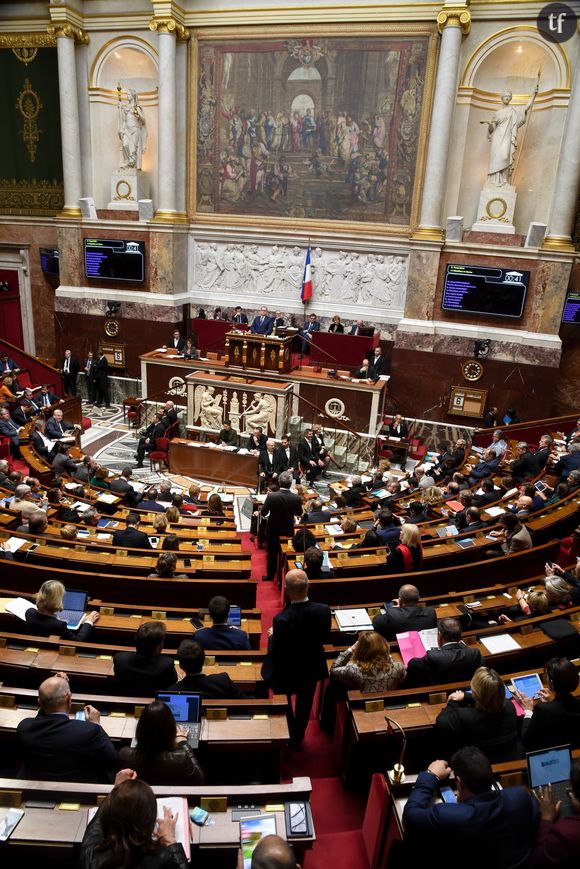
454	16
169	25
68	31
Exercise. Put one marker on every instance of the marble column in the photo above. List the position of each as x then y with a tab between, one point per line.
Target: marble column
453	23
565	196
66	35
169	30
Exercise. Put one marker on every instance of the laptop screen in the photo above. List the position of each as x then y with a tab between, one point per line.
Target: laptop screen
185	707
74	600
549	766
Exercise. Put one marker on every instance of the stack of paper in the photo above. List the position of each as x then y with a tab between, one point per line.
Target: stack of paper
353	619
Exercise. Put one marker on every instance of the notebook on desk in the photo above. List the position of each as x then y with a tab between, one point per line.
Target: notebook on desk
74	604
551	766
186	709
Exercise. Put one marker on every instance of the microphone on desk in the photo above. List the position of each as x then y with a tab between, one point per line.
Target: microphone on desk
397	774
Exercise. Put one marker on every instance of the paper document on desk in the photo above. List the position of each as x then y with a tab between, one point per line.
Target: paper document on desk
18	607
494	511
334	529
429	639
353	619
500	643
13	544
177	806
107	498
410	646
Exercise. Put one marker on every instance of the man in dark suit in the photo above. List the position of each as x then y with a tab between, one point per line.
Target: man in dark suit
405	614
365	372
191	657
122	486
545	447
70	372
452	661
525	464
555	719
146	670
154	430
311	465
296	662
168	415
568	463
89	369
131	537
356	327
221	635
10	430
257	441
176	342
47	397
352	496
228	436
280	508
279	320
317	514
239	316
286	457
484	468
43	445
311	325
56	428
23	413
379	362
101	374
8	366
266	463
150	503
489	494
56	747
32	402
490	827
263	323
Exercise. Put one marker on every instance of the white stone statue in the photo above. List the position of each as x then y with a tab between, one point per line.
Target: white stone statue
502	132
132	130
261	413
208	407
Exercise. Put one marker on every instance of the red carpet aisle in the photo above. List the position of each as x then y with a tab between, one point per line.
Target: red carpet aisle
338	814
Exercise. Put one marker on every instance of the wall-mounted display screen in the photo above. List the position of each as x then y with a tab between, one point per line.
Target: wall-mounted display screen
571	313
114	260
485	290
49	260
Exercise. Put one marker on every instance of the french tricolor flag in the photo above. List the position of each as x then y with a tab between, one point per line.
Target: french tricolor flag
306	293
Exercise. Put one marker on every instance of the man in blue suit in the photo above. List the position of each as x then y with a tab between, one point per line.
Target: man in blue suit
310	326
263	323
568	463
485	826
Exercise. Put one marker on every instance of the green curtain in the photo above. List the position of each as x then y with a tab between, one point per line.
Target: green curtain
31	179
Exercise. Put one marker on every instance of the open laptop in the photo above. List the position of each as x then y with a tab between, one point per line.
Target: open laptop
186	709
552	766
74	604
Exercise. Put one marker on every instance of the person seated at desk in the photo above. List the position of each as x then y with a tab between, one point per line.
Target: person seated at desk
405	614
336	326
408	554
488	827
417	512
26	504
45	447
193	496
6	389
150	502
214	507
525	465
553	717
239	317
257	441
122	487
43	620
191	658
316	512
267	462
388	527
190	351
263	324
56	428
169	415
170	543
513	536
65	513
498	444
368	665
221	635
127	832
8	365
130	537
355	329
56	747
286	457
273	852
558	840
310	464
62	462
36	525
313	564
303	539
482	716
452	661
484	468
100	478
568	463
489	494
166	567
23	413
161	755
279	321
365	372
227	435
218	314
147	441
352	495
9	429
176	342
86	469
311	325
146	670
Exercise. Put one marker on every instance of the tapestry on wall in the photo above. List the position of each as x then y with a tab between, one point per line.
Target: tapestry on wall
31	179
324	128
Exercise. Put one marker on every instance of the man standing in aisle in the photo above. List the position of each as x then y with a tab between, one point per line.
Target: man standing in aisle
296	662
280	508
70	370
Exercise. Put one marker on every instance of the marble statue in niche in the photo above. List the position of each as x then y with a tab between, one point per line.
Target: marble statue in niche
261	413
502	133
207	407
132	130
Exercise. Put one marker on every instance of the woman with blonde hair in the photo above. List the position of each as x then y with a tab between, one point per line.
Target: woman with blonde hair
172	515
43	620
432	494
558	591
408	554
482	716
368	665
160	523
6	393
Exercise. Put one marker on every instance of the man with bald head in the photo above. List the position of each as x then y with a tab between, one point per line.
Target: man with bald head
273	852
404	614
56	747
296	662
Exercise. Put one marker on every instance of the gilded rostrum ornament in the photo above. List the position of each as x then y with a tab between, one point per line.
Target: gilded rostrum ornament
29	106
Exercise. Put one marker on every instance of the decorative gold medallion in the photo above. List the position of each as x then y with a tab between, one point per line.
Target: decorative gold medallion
112	327
496	208
472	369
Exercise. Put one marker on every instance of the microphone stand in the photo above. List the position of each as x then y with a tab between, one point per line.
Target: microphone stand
397	774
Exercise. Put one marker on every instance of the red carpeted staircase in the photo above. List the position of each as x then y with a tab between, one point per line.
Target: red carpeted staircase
338	814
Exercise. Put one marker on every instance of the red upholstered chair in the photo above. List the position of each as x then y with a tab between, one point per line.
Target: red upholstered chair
383	452
5	450
158	456
417	449
374	830
86	423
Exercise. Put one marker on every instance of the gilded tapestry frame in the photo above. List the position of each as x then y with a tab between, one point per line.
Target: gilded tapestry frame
310	32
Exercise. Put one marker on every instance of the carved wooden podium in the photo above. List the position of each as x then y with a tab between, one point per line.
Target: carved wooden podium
262	352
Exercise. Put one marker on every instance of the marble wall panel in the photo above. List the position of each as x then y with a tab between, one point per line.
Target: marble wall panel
423	270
